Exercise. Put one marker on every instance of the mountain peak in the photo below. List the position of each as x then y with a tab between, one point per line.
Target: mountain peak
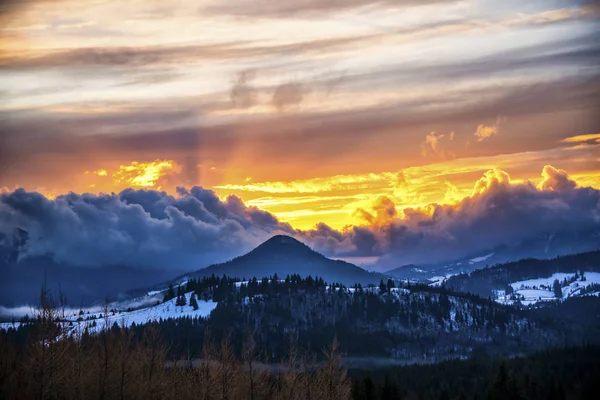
283	255
282	239
283	244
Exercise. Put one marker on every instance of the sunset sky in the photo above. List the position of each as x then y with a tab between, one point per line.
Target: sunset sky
342	112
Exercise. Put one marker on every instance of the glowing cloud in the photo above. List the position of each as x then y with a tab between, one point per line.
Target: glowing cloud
316	185
583	138
555	179
491	178
139	174
484	132
432	145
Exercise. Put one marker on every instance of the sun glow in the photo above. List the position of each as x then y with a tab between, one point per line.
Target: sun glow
140	174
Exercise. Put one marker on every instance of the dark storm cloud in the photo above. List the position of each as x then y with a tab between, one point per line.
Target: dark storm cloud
150	229
498	213
136	228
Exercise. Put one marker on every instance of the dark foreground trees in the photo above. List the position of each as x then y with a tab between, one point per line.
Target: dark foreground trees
115	365
67	361
559	374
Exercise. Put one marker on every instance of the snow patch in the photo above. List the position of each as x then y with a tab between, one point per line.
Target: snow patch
480	259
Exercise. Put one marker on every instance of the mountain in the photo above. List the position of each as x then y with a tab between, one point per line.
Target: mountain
531	280
21	278
547	246
284	255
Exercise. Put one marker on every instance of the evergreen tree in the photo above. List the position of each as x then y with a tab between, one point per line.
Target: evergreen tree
193	301
557	289
390	285
382	286
170	294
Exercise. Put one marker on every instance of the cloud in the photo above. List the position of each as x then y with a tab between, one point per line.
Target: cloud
151	229
591	137
316	185
143	174
499	212
382	211
484	132
288	94
433	146
555	179
242	93
136	228
301	8
143	56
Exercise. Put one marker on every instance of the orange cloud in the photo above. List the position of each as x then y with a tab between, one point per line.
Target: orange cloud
432	145
140	174
583	138
382	211
555	179
484	132
316	185
490	178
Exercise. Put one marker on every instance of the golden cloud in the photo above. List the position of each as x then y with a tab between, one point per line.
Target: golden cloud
484	132
140	174
432	145
316	185
583	138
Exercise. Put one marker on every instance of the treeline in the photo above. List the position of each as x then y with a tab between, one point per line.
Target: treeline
406	323
559	374
219	288
116	363
483	281
411	323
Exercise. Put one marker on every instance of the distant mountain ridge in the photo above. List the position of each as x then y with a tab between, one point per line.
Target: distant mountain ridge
284	255
483	282
545	246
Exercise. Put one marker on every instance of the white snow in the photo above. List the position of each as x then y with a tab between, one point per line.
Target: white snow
164	310
548	282
437	280
532	291
480	259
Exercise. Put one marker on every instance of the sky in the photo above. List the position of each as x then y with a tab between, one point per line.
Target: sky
326	119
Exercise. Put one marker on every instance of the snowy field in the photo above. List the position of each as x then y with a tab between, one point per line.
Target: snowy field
95	321
532	291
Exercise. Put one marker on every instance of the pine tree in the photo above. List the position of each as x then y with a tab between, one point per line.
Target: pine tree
390	285
170	294
193	301
382	286
557	289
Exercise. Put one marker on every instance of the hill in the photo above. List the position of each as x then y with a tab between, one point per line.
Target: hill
532	280
284	255
542	247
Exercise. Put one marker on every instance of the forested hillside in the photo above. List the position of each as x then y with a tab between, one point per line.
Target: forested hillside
484	281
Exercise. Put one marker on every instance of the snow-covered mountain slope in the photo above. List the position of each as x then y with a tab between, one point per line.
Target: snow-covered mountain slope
531	291
95	320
